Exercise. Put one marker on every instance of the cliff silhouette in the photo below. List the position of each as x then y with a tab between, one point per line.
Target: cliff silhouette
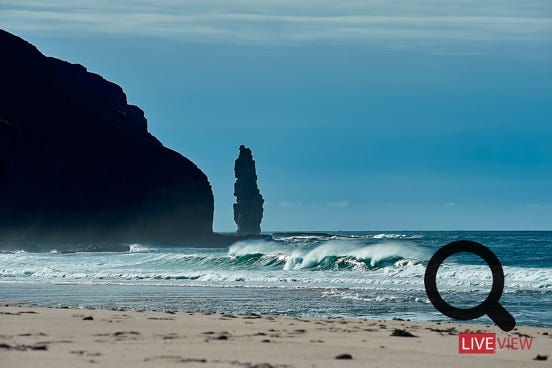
78	165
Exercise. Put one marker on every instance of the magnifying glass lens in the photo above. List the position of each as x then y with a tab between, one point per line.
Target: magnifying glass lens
464	280
468	285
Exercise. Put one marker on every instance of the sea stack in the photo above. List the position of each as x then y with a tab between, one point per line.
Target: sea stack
248	209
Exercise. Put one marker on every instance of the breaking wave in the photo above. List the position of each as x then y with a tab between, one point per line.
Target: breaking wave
330	255
365	261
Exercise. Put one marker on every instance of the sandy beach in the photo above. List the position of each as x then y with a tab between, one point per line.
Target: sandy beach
49	337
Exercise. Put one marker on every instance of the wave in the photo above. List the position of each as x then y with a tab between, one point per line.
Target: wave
331	254
397	236
403	275
261	256
349	262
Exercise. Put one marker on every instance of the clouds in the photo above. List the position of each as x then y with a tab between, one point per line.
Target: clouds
286	22
286	204
333	204
339	204
458	112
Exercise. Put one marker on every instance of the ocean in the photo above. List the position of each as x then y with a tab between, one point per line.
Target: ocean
376	275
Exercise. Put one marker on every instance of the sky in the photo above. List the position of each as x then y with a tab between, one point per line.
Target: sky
361	115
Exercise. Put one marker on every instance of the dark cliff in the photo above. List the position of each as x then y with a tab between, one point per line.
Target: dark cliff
248	209
77	163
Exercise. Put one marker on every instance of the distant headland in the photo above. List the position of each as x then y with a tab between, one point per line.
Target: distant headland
79	169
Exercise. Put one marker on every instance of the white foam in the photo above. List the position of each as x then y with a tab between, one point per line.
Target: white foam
374	252
278	266
397	236
256	247
135	248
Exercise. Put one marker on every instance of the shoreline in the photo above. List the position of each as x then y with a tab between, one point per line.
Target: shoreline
89	245
58	337
224	299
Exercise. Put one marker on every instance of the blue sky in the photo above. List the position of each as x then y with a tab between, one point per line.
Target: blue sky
362	115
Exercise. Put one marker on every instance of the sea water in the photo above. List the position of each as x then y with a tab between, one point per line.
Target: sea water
344	274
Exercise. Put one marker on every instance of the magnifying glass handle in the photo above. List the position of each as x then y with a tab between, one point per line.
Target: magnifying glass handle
501	317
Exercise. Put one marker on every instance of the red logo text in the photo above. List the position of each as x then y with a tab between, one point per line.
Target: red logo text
488	343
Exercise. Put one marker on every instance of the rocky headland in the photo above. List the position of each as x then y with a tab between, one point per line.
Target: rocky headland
78	165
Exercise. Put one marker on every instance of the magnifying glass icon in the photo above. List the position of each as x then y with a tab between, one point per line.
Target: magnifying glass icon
490	306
